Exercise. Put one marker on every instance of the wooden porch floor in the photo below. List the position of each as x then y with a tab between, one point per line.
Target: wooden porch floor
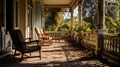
58	54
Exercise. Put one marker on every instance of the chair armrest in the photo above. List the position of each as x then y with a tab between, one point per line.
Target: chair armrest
46	33
33	41
28	39
30	42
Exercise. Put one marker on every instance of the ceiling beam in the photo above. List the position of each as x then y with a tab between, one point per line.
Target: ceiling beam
72	5
56	6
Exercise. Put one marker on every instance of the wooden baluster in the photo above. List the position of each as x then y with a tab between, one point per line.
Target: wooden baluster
105	43
116	46
110	44
119	46
113	45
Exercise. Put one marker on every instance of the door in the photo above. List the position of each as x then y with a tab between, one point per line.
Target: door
9	15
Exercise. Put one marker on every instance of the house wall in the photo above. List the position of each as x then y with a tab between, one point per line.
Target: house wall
6	21
22	16
37	16
25	18
15	15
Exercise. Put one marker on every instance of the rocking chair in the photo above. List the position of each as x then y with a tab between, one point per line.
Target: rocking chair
22	46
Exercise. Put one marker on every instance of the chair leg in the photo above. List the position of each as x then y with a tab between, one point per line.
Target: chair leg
40	54
50	42
30	54
22	56
14	52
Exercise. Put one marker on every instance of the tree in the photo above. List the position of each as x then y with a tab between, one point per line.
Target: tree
50	20
89	11
59	19
53	20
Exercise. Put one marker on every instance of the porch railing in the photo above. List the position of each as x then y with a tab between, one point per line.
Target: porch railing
111	46
108	45
90	40
56	34
75	36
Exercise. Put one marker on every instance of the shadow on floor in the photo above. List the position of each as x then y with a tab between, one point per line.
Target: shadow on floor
11	61
67	49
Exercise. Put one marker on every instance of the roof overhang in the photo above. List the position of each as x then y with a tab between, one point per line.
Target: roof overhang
59	5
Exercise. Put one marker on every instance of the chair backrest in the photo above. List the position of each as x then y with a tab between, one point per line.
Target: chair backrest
18	40
41	31
37	30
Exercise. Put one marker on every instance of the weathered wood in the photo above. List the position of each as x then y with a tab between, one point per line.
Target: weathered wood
80	4
90	40
111	46
101	14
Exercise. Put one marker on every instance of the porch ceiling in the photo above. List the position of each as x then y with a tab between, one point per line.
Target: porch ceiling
57	2
59	5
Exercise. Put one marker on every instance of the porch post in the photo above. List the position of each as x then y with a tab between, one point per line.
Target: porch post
101	17
22	15
72	23
100	26
80	3
43	19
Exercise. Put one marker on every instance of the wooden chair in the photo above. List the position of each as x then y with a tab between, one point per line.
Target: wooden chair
22	46
43	38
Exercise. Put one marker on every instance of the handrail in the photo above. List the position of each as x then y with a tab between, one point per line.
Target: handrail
54	34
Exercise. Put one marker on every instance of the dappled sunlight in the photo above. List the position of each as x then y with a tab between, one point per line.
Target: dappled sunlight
60	54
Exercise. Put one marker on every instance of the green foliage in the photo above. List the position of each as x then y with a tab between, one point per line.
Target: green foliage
65	26
51	20
59	19
85	27
112	25
112	20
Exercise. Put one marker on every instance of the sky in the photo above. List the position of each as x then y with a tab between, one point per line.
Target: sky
75	12
67	14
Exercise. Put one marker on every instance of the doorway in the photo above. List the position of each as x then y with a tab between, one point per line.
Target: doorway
1	23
